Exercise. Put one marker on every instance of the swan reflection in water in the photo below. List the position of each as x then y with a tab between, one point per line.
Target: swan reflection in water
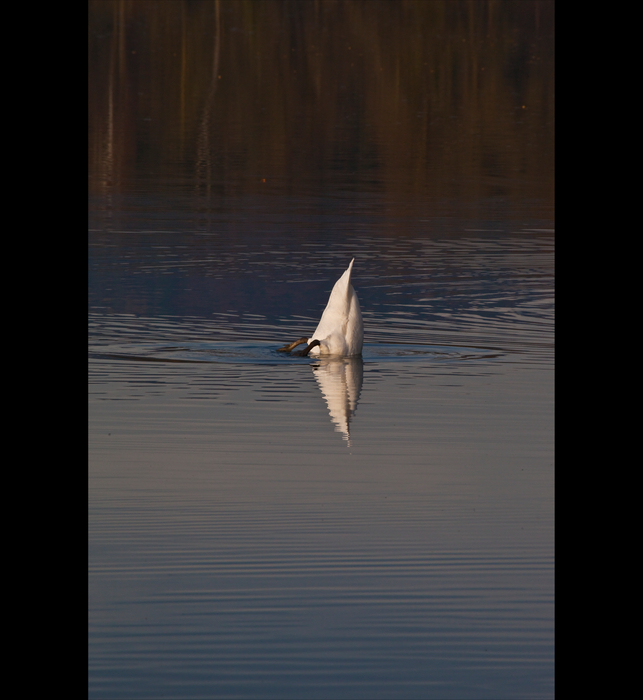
340	380
338	341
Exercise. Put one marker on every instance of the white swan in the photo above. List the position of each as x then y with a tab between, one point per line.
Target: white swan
341	329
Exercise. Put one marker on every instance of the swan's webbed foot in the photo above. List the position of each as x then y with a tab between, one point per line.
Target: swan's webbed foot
292	346
307	349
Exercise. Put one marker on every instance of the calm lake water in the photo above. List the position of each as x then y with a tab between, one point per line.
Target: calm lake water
265	526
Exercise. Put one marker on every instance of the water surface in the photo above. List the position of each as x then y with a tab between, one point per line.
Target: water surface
269	526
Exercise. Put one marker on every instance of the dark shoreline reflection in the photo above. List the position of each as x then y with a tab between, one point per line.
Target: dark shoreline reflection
426	102
340	381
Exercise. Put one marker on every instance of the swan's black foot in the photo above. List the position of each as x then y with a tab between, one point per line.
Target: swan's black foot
313	344
300	353
288	348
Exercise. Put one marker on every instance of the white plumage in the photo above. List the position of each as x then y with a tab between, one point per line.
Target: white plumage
340	330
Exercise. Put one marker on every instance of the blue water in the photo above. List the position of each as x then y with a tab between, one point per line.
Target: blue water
268	526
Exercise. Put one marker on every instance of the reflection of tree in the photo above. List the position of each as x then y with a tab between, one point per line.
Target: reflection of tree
340	381
451	98
204	152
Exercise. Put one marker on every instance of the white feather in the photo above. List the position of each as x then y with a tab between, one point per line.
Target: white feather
341	329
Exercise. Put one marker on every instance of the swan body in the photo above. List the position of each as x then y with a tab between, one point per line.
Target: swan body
340	330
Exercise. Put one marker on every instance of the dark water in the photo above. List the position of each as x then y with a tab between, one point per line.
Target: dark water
264	526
